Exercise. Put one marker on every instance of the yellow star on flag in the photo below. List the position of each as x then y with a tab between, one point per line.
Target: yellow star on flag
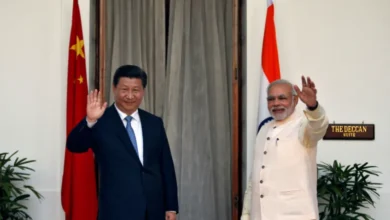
80	79
78	47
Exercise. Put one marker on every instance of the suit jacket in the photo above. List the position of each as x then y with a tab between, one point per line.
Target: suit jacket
283	184
129	189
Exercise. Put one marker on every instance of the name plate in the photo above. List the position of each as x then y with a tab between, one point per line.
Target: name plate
350	132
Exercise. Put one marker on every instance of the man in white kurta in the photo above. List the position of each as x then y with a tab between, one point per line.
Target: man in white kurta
283	183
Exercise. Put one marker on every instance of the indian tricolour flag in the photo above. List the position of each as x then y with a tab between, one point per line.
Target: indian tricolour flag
269	63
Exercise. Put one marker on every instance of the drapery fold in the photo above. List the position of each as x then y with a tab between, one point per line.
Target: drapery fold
189	87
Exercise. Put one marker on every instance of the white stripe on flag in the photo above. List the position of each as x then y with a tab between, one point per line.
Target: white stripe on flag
263	108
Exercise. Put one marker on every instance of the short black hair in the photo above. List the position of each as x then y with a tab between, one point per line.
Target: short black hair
130	71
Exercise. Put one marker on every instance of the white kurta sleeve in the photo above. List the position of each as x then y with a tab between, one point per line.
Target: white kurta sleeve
246	209
316	125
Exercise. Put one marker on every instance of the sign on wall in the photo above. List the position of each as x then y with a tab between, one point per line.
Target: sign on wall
350	132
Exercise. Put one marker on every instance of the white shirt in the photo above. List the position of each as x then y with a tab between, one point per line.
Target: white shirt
137	127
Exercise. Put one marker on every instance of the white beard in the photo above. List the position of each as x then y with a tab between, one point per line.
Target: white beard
281	116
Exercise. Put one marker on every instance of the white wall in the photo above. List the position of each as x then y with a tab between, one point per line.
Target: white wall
345	47
33	73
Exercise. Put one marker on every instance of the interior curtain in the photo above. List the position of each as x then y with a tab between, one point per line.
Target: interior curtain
135	34
197	109
189	86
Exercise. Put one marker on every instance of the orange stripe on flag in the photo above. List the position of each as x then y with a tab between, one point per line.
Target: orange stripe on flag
270	60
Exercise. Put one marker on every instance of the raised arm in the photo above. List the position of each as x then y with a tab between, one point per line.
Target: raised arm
317	123
80	138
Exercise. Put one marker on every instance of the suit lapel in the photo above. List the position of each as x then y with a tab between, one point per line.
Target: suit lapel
121	133
145	133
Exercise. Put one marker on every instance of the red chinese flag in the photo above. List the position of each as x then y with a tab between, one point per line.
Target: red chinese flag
78	194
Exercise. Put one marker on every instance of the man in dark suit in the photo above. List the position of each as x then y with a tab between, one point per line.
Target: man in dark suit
137	176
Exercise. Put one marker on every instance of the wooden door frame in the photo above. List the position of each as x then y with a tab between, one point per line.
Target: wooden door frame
100	46
237	197
236	168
